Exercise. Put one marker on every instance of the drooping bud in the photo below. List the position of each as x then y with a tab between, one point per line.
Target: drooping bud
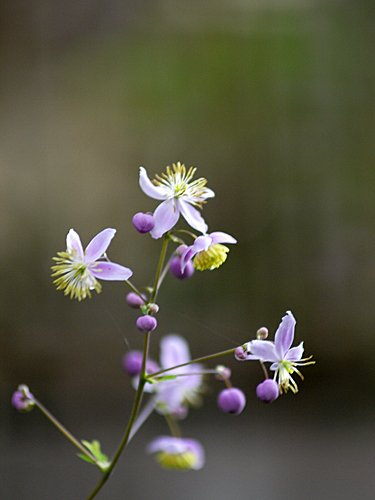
154	308
132	362
240	353
268	390
134	300
262	333
175	268
232	401
143	223
22	399
146	323
222	372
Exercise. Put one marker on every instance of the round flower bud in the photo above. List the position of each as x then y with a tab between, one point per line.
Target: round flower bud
154	308
21	399
268	390
262	333
143	223
135	300
240	353
175	268
132	362
146	323
231	401
222	372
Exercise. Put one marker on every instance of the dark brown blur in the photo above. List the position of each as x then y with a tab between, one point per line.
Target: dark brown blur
274	102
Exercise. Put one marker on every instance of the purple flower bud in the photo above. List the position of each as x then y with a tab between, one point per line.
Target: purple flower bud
135	300
262	333
132	363
21	399
175	268
268	390
240	353
222	372
231	401
180	250
146	323
143	223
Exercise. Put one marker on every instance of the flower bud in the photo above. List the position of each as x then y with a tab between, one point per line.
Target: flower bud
146	323
143	223
231	401
154	308
132	362
268	390
222	372
21	399
134	300
240	353
262	333
175	268
180	250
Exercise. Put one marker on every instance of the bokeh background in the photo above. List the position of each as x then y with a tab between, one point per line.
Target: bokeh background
273	101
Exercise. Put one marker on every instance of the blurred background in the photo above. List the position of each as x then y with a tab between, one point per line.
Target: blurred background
273	101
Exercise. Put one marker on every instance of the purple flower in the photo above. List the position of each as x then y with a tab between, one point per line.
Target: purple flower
179	195
284	359
79	270
177	453
207	251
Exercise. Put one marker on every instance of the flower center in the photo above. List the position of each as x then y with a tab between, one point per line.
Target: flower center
177	180
211	258
185	460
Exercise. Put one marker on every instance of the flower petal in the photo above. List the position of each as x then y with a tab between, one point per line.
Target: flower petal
156	192
192	216
73	243
295	354
219	237
99	244
165	216
111	271
201	243
174	350
285	334
264	349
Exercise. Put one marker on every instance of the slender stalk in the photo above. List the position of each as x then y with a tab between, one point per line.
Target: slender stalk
135	290
136	405
264	369
158	271
198	360
62	429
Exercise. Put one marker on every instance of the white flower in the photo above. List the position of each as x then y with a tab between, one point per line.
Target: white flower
180	195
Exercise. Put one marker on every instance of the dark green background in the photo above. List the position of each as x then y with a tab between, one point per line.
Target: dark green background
274	102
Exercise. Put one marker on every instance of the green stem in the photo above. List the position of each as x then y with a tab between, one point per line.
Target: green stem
198	360
63	430
135	290
136	405
158	271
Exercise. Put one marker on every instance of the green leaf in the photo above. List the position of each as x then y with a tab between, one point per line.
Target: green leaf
101	459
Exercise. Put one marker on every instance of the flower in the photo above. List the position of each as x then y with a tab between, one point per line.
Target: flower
79	269
179	195
207	251
175	394
283	358
177	453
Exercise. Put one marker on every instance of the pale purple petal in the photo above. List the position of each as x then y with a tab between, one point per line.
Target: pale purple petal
208	193
192	216
99	244
156	192
174	350
264	350
175	446
285	334
111	271
73	242
295	354
201	243
249	357
219	237
166	216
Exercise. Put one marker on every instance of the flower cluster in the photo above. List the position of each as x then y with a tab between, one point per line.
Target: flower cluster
177	382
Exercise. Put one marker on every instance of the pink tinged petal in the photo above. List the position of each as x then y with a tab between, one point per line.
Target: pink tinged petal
166	216
156	192
295	354
285	334
98	245
192	216
264	350
73	243
174	350
219	237
111	271
201	243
